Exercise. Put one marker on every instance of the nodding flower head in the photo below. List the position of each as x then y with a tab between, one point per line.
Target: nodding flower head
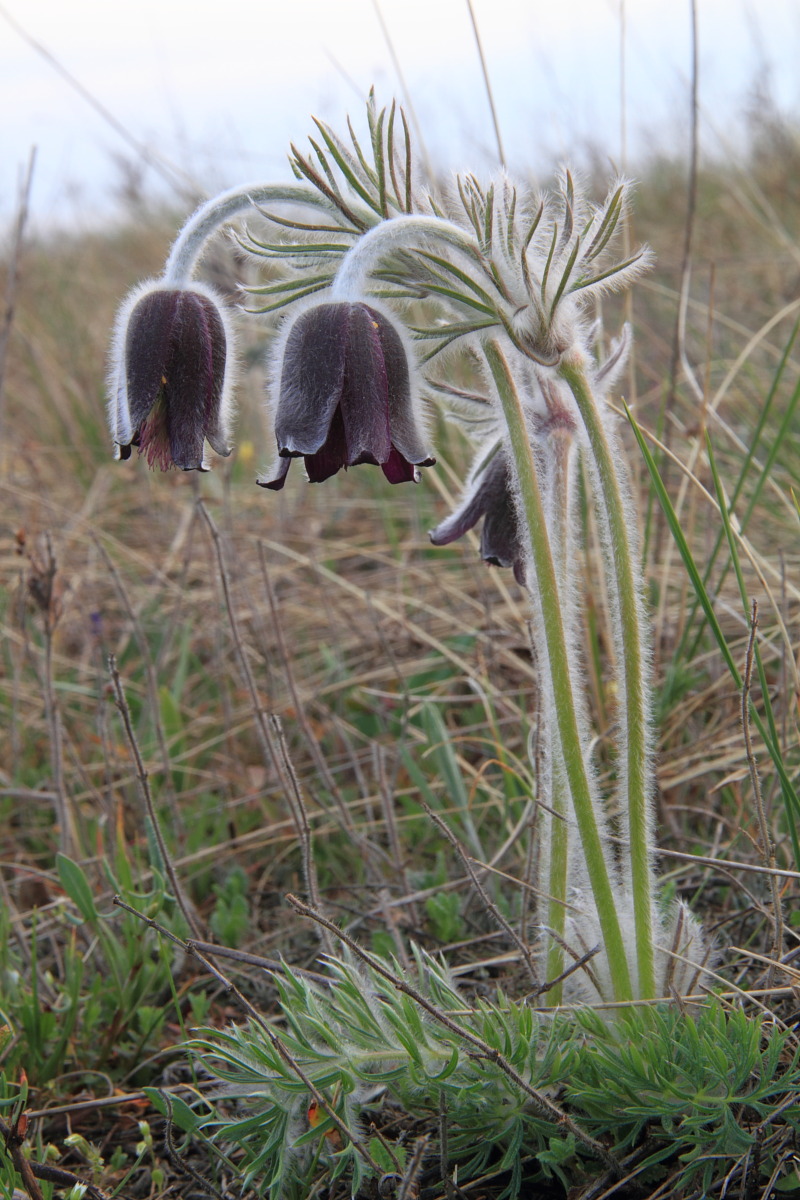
488	495
171	376
344	397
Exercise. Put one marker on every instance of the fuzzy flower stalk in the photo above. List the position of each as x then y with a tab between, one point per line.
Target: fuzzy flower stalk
510	282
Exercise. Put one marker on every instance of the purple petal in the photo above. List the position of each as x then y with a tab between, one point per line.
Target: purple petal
278	480
489	496
216	348
147	349
365	392
397	469
406	436
332	456
194	377
477	498
312	376
499	537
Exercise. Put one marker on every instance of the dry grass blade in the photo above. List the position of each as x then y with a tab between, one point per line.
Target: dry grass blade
144	783
14	276
767	846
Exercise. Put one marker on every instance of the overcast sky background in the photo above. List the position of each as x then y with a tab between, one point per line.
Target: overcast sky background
218	89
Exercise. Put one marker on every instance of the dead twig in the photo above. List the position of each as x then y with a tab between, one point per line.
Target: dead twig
270	731
30	1172
486	899
144	783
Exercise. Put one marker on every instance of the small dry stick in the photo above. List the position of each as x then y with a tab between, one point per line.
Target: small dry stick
31	1172
313	744
408	1187
150	674
521	945
171	1151
579	964
275	965
387	1146
43	590
390	819
678	355
545	1107
14	1138
487	84
768	848
302	823
269	728
142	776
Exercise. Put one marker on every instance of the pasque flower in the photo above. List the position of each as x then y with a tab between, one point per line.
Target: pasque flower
344	396
171	376
488	495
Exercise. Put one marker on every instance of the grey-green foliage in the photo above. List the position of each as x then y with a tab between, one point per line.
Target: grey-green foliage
360	1038
688	1092
711	1083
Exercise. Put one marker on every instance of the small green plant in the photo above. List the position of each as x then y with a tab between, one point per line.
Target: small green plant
681	1095
479	307
231	916
511	278
105	1007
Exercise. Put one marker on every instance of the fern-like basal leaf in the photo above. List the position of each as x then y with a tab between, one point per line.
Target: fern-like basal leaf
291	285
305	226
488	222
569	207
302	250
305	168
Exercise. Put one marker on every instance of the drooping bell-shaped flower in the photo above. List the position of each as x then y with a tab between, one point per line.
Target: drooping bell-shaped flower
488	496
344	397
171	376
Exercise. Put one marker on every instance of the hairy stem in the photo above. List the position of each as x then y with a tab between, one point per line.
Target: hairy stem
560	447
631	642
556	661
389	236
204	223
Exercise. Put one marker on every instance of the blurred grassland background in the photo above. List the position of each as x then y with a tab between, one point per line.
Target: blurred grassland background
396	670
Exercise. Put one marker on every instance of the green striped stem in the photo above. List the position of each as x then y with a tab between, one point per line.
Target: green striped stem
565	733
631	644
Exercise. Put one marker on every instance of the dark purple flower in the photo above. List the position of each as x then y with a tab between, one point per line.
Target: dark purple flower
489	496
171	383
345	397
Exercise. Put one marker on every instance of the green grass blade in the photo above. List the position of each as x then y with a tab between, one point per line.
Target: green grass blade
773	743
789	794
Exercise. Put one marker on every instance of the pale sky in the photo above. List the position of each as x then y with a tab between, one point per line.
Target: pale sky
219	88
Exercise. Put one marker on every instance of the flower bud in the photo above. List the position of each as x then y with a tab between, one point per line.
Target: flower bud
344	396
171	376
488	495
